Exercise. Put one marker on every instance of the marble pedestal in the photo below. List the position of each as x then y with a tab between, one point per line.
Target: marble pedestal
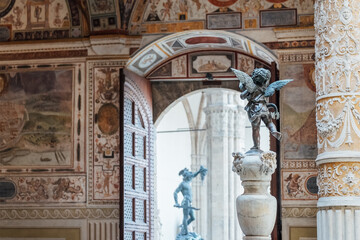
189	236
256	208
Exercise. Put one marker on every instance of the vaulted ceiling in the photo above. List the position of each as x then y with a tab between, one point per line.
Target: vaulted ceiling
56	19
22	20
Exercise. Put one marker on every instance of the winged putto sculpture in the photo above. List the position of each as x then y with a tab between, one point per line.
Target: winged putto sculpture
256	90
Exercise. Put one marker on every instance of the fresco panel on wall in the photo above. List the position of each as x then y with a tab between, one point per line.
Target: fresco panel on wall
36	118
298	108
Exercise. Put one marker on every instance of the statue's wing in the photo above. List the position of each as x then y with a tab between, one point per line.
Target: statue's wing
270	90
245	79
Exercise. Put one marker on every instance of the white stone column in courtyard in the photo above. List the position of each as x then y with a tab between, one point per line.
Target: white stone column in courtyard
337	26
223	112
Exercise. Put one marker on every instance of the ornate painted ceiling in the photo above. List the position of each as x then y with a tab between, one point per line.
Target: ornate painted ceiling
57	19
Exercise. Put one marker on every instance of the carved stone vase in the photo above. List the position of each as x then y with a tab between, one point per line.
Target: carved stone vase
256	208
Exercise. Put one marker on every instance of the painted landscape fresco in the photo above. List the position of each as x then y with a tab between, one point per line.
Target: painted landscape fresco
36	118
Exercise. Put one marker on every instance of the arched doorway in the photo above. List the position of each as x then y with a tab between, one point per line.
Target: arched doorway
181	63
186	133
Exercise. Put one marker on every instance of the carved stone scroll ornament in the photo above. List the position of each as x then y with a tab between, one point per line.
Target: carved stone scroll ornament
339	179
336	129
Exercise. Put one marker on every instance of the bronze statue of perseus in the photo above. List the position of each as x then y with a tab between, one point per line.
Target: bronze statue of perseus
256	89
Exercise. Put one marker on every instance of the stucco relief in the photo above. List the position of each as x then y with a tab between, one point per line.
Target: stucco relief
337	78
339	179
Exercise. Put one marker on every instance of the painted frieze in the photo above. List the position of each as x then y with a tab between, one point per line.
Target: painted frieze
299	185
188	12
64	189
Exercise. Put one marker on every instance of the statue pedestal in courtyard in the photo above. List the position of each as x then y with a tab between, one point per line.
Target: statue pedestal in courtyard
189	236
256	208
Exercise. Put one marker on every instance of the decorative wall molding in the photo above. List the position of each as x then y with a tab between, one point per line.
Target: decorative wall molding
296	57
62	213
44	55
298	164
291	44
299	212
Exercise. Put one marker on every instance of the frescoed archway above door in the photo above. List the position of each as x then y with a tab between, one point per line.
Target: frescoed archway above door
158	52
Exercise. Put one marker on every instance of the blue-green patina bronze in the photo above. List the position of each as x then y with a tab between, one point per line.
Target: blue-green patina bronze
188	209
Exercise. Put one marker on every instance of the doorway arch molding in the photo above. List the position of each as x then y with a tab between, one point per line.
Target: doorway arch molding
156	53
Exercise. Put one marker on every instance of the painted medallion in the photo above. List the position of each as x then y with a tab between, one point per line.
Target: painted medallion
276	1
6	6
222	3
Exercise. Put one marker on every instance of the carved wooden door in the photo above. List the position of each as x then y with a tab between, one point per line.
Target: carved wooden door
136	205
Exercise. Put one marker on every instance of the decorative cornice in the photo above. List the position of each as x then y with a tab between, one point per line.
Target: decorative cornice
325	202
291	44
68	213
299	212
44	55
298	164
338	156
286	57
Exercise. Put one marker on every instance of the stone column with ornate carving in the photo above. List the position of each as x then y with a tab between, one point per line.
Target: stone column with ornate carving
338	118
222	113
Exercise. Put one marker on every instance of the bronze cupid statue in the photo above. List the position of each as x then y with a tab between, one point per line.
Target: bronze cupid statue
256	90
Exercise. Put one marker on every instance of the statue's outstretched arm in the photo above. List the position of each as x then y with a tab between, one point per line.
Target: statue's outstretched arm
203	172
